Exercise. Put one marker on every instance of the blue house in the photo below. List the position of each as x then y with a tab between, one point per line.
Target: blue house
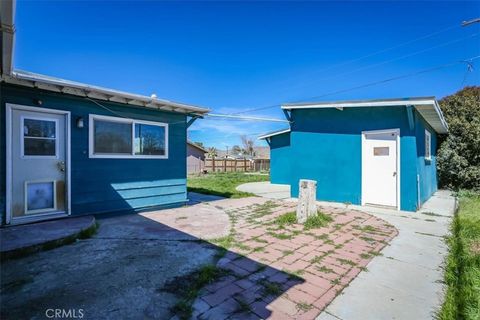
371	152
69	148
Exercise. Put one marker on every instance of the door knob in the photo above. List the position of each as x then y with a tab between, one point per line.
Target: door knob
395	173
61	166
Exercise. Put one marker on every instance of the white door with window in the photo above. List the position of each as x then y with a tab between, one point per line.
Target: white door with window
37	160
380	174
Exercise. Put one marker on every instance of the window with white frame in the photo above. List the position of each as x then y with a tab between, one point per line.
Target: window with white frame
112	137
428	145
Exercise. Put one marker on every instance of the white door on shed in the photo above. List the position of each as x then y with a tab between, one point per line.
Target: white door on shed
380	167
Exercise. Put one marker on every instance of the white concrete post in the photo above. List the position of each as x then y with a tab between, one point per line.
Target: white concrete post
307	197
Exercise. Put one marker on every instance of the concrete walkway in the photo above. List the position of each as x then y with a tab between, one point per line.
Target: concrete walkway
405	282
266	189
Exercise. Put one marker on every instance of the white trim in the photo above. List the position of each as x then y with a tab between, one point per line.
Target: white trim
44	82
132	155
356	104
22	138
8	161
8	177
271	134
422	104
25	191
429	147
397	132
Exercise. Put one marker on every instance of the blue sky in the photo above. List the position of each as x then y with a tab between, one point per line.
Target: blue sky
235	56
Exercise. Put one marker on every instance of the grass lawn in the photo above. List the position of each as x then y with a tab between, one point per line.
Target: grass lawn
223	184
462	274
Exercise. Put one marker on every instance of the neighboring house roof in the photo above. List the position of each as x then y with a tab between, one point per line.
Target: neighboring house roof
24	78
427	106
193	144
273	133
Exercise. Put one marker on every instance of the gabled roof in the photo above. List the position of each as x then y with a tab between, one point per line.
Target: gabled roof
193	144
273	133
427	106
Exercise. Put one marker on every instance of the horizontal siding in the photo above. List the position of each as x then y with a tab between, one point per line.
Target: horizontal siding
128	194
130	205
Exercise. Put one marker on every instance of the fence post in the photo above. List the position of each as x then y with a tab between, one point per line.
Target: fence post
213	164
225	165
236	165
245	164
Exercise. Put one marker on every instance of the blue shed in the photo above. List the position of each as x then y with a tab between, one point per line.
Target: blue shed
370	152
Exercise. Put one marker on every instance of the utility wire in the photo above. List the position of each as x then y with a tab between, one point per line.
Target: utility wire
467	61
336	65
375	64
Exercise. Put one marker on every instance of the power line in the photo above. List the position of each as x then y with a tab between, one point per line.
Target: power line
468	61
388	49
369	67
233	117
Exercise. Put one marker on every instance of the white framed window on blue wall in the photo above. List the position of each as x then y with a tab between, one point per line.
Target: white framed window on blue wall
115	137
428	145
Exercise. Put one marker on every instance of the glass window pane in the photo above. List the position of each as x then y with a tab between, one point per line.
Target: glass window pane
40	195
38	147
38	128
112	137
149	140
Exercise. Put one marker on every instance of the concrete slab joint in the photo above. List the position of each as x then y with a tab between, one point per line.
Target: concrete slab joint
307	198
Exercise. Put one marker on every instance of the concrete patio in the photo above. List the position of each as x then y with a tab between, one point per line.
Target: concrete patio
266	189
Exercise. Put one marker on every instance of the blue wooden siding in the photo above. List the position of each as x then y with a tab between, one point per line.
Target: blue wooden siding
105	185
326	146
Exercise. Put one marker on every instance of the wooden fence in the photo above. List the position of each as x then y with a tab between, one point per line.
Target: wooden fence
234	165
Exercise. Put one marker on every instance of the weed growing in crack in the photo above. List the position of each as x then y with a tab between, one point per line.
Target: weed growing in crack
303	306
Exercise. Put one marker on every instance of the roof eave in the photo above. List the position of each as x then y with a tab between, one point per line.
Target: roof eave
94	92
271	134
439	123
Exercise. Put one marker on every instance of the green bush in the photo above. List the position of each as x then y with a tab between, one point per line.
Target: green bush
458	157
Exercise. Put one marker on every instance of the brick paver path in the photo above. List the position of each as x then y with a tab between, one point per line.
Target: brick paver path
287	272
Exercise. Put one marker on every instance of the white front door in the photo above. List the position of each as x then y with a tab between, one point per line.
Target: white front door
37	158
380	176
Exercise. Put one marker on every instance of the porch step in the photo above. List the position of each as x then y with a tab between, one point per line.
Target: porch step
20	240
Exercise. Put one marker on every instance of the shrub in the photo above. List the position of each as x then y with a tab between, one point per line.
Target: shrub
458	157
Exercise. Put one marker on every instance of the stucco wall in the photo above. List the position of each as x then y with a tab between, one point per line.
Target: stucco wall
426	168
104	185
280	157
